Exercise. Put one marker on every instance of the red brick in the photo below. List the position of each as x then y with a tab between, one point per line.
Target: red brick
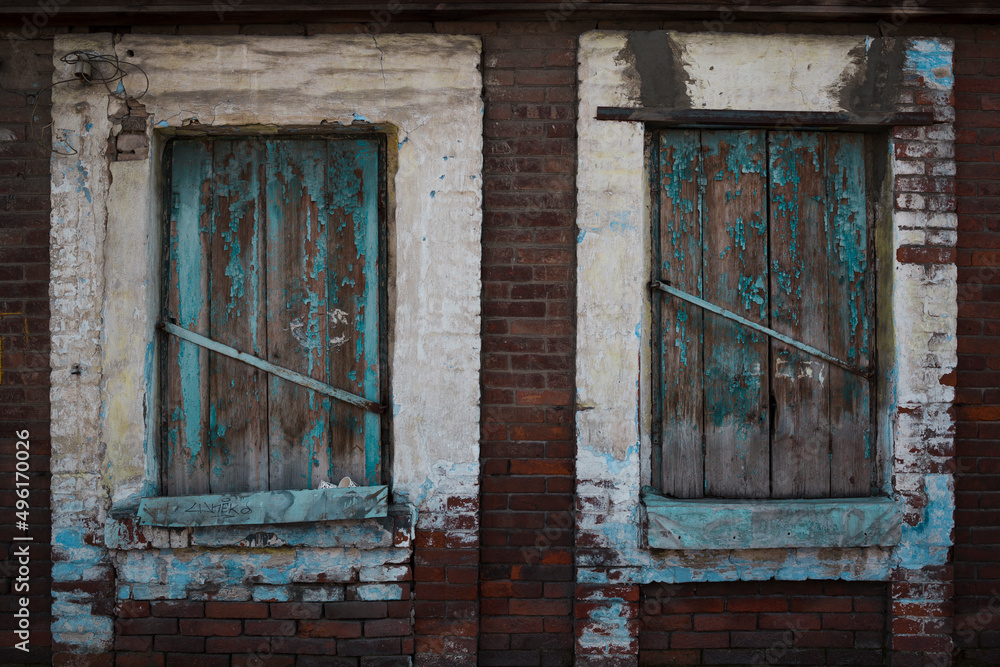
178	609
296	610
146	626
237	644
210	627
388	627
138	660
683	640
270	627
324	629
236	609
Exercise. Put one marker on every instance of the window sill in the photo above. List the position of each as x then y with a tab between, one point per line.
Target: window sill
391	527
265	507
770	524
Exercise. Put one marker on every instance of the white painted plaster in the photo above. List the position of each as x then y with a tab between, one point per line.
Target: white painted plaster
777	73
613	312
428	86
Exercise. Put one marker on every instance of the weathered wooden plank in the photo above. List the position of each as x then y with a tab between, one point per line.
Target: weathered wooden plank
812	120
851	433
737	391
771	524
681	325
238	392
186	406
299	455
800	446
353	309
266	507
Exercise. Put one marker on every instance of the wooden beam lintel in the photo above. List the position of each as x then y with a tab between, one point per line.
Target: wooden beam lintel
786	120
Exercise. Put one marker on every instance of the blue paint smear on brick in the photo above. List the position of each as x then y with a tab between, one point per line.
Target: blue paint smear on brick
926	58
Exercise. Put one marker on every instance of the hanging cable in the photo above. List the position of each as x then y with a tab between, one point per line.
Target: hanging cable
89	68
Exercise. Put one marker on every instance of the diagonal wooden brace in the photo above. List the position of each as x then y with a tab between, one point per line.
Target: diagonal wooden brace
268	367
711	307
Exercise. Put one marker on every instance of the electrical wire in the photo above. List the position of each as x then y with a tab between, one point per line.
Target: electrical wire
104	68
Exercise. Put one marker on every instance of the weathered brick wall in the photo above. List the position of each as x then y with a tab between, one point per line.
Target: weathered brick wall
977	399
25	67
526	579
523	574
254	634
773	623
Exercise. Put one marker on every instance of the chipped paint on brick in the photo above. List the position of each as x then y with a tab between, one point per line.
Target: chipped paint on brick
931	59
374	592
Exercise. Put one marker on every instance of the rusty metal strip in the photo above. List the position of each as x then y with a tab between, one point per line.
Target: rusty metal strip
788	120
268	367
711	307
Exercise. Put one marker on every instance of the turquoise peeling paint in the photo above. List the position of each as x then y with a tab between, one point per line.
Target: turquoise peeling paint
178	573
613	617
191	168
849	238
78	560
679	165
75	624
368	156
297	175
928	542
786	151
926	58
379	592
752	291
83	175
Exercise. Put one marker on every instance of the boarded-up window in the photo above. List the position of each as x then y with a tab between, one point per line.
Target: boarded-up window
274	247
774	227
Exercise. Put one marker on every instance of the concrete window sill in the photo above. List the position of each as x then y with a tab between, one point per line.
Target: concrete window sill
392	528
265	507
711	523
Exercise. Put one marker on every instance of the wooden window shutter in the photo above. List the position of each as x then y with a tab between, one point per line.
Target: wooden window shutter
274	248
772	226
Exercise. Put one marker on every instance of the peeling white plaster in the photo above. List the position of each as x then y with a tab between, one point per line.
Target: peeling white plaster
778	73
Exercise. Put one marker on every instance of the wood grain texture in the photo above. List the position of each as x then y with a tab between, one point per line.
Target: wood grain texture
736	377
800	445
287	270
352	277
297	331
681	371
850	316
238	393
186	405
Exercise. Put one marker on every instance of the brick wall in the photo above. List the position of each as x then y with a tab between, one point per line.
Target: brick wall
527	451
523	574
259	634
774	623
977	400
25	66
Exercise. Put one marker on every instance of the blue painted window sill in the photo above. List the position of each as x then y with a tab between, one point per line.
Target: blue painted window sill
709	523
265	507
391	526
